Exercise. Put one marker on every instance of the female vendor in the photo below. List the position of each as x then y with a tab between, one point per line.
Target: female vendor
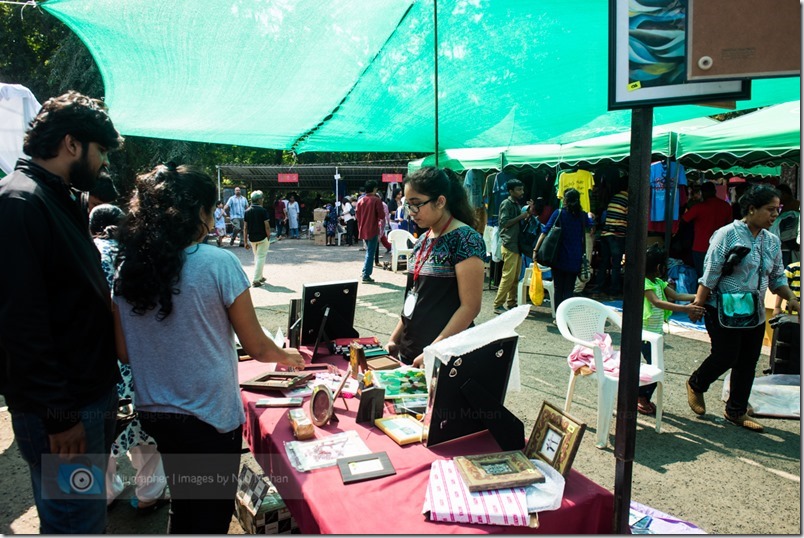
445	271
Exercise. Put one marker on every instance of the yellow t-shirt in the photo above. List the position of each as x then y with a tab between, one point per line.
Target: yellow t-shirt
581	181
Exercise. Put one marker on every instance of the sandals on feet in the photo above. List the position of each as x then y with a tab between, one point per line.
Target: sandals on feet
645	406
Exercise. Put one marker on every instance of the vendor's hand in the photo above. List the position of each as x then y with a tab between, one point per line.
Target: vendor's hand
248	246
777	310
794	305
69	443
393	348
418	362
292	358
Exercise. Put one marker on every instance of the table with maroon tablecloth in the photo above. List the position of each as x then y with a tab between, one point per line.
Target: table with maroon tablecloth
322	504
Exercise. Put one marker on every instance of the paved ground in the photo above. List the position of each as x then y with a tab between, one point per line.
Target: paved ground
703	470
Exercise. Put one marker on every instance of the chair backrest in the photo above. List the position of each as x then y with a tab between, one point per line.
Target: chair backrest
579	318
399	239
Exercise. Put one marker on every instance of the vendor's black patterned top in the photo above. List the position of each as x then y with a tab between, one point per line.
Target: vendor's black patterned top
437	287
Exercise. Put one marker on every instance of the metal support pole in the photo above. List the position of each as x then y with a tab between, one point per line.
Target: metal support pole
435	75
633	295
220	194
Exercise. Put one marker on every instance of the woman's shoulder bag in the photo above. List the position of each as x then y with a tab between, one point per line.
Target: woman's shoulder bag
548	250
740	310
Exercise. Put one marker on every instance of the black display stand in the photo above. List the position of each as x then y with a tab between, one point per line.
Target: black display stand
294	323
504	426
451	414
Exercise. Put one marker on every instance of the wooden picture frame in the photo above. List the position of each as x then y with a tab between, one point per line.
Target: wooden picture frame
403	429
276	381
365	467
497	470
555	438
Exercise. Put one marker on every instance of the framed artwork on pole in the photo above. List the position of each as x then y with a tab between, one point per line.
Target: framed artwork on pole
647	58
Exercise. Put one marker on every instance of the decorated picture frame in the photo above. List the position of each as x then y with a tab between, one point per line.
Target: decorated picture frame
555	438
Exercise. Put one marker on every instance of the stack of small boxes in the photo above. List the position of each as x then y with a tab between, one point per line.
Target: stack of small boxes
259	508
319	229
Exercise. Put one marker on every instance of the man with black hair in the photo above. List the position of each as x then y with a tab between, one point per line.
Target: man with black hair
509	217
368	214
58	365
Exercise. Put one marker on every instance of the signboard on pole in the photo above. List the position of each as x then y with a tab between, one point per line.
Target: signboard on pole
392	178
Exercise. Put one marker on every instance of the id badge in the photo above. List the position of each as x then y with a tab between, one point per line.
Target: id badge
410	304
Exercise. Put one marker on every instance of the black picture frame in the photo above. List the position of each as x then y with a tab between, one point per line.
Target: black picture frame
349	467
340	298
625	88
450	414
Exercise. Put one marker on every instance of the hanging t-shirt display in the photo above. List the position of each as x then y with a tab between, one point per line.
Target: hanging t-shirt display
494	192
658	190
473	183
580	180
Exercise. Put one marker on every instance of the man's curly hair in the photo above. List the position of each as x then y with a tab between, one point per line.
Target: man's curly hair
75	114
164	219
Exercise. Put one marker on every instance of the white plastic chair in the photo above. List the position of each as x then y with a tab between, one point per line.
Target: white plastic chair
399	246
523	288
578	320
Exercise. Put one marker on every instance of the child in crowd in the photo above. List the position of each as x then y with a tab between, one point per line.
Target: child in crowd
220	222
656	310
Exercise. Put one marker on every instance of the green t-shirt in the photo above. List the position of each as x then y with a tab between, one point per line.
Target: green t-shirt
654	317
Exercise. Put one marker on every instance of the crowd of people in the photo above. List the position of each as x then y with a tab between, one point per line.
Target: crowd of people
102	305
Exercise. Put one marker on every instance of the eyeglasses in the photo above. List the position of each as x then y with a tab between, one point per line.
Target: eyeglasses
414	208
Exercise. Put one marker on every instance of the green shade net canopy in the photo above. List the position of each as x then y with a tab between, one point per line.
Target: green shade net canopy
608	148
357	75
767	136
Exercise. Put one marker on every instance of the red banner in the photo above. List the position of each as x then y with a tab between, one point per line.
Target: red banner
392	178
288	178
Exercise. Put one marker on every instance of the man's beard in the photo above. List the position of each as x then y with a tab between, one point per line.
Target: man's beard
81	175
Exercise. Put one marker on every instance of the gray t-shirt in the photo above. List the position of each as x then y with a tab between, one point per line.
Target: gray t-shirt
187	363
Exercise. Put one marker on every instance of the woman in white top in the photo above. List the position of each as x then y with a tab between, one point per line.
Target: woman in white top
349	220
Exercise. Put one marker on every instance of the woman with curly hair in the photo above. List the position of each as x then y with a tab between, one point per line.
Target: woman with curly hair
179	304
445	282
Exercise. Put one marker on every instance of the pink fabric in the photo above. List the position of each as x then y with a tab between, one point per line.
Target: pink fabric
321	503
584	356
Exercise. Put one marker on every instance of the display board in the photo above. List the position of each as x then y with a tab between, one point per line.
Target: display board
733	39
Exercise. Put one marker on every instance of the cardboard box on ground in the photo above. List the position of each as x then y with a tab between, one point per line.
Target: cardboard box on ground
259	508
319	232
319	214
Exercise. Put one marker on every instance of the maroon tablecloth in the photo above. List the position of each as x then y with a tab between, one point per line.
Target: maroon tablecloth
321	503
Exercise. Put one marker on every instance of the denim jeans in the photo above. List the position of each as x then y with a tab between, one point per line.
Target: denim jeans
371	248
294	233
280	227
237	231
73	513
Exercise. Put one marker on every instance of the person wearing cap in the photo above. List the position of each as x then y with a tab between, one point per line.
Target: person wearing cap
257	231
57	349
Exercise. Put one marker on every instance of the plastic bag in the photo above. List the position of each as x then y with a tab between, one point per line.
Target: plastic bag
536	291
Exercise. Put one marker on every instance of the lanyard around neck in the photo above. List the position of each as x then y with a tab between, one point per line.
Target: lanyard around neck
422	257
